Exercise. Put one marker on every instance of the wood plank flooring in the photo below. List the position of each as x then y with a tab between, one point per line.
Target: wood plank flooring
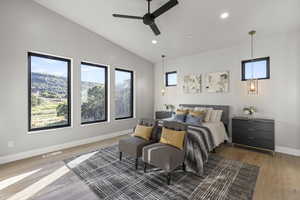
46	178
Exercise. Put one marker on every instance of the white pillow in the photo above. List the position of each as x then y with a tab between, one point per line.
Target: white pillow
215	115
219	117
207	114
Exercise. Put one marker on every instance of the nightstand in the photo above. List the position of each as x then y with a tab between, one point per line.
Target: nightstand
254	132
163	114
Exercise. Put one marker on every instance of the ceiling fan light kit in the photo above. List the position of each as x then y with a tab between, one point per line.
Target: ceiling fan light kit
149	18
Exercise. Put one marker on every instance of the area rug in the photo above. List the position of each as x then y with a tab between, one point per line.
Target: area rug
112	179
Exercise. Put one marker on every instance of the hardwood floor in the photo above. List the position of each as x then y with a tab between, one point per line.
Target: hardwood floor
47	178
279	175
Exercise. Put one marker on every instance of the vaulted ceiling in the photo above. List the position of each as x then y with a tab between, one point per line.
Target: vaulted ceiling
191	27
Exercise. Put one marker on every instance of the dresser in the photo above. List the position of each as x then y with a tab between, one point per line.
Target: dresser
254	132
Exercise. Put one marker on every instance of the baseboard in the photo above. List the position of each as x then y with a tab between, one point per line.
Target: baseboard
287	150
37	152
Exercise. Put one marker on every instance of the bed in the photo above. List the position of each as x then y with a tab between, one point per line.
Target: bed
203	139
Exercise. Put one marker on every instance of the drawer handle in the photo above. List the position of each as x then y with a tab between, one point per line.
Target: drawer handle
251	129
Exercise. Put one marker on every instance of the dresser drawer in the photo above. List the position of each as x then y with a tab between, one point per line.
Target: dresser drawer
254	125
252	132
255	133
254	141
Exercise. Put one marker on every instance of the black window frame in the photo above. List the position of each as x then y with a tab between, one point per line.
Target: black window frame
106	92
244	62
132	93
69	61
167	78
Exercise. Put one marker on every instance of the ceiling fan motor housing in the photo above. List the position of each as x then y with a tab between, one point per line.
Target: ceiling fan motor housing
148	19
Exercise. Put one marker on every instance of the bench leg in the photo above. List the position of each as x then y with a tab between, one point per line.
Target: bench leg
183	166
169	178
136	163
145	167
120	156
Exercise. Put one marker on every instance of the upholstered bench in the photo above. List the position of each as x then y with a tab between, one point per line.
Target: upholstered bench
165	156
133	145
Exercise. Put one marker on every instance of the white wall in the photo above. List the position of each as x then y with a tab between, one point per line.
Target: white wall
27	26
279	96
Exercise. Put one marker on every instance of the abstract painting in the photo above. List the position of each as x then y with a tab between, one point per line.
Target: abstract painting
192	84
217	82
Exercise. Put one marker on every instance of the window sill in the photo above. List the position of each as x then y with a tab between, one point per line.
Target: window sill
125	118
95	123
49	130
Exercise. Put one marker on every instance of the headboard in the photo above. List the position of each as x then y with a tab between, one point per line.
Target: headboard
225	115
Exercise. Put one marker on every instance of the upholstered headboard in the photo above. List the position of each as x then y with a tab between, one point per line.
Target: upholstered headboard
225	115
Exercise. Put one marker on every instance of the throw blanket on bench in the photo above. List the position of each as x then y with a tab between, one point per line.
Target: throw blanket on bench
198	145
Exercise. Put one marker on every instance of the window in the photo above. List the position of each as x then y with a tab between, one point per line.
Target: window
256	69
123	94
171	79
49	92
93	93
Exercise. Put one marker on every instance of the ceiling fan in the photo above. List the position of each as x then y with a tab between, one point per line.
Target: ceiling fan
149	18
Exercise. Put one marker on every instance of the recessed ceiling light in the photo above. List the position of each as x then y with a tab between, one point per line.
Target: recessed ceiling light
154	41
224	15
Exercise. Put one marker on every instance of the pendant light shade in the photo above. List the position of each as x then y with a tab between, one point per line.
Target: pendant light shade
252	84
163	89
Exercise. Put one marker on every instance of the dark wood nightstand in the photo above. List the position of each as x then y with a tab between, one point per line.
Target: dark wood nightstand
254	132
163	114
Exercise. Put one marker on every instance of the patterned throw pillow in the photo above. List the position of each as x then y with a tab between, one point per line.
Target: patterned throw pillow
179	118
181	112
185	108
197	113
180	115
143	132
172	137
196	120
207	114
195	117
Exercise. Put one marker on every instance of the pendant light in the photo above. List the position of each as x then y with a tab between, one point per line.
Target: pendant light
163	90
252	84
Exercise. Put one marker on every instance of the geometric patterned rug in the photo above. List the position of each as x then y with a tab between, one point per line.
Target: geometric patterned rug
112	179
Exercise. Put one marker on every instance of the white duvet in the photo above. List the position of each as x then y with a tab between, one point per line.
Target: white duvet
217	130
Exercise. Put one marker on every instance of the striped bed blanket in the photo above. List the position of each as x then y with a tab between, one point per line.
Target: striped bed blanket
199	143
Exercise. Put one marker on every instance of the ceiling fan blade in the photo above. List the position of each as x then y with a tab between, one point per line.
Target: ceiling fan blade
155	29
165	8
127	16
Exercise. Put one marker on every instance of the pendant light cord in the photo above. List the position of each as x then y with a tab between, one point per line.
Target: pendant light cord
252	33
163	64
252	47
163	70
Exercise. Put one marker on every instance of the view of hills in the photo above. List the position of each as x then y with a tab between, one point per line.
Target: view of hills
50	106
47	85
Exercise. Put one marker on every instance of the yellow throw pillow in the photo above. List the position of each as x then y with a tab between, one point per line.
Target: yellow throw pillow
172	137
181	112
143	132
197	113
